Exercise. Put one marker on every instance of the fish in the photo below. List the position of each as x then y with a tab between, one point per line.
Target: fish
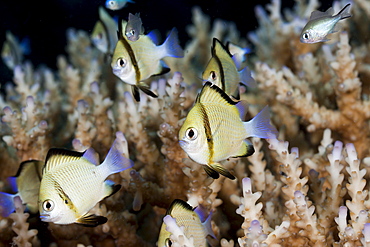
116	4
74	182
135	61
213	130
321	24
238	54
104	34
134	27
27	185
192	220
13	51
222	71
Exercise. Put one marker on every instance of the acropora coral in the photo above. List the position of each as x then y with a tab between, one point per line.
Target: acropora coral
308	187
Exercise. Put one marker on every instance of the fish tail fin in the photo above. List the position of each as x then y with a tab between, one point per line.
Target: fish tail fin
115	160
172	46
6	204
344	13
208	227
260	125
246	78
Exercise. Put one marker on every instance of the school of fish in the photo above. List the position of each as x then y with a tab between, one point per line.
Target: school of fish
68	184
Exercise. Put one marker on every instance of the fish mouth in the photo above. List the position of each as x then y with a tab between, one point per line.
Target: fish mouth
183	143
45	217
117	72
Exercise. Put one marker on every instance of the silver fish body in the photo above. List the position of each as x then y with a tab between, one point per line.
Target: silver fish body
321	24
213	130
73	183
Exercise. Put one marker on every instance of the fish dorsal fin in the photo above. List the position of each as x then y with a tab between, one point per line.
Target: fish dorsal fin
213	94
58	156
178	204
218	48
91	156
318	14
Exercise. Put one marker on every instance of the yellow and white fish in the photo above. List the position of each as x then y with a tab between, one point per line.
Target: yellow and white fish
213	130
321	24
27	184
135	61
13	51
134	27
74	182
193	221
116	4
104	34
222	71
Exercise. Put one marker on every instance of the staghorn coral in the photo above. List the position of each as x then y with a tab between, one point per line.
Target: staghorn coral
313	194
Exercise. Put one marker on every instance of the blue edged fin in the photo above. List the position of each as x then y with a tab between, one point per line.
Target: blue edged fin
110	188
246	78
172	46
7	204
242	107
115	161
13	184
208	227
260	125
91	156
154	36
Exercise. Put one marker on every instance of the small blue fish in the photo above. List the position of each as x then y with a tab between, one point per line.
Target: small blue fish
116	4
321	24
134	27
13	51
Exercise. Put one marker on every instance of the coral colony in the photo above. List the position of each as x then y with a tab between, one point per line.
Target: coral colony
308	187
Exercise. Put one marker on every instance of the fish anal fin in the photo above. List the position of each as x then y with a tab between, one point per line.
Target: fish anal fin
91	220
111	188
245	150
210	172
222	170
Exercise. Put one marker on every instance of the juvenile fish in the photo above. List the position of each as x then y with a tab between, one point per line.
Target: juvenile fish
74	182
222	71
135	61
116	4
134	27
191	220
13	51
104	34
321	24
213	130
27	184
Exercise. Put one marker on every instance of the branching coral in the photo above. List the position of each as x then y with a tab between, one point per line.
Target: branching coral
314	194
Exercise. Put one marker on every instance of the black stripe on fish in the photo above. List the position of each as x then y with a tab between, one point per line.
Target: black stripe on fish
130	52
218	90
218	61
64	196
208	132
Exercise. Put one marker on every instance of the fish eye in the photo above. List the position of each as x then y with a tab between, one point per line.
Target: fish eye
168	242
48	205
111	3
121	62
213	75
191	133
306	36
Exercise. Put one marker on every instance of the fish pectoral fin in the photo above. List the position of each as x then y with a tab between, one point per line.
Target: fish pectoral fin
210	172
245	150
91	220
222	170
146	90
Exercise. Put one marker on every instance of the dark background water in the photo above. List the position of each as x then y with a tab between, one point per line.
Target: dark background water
45	22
